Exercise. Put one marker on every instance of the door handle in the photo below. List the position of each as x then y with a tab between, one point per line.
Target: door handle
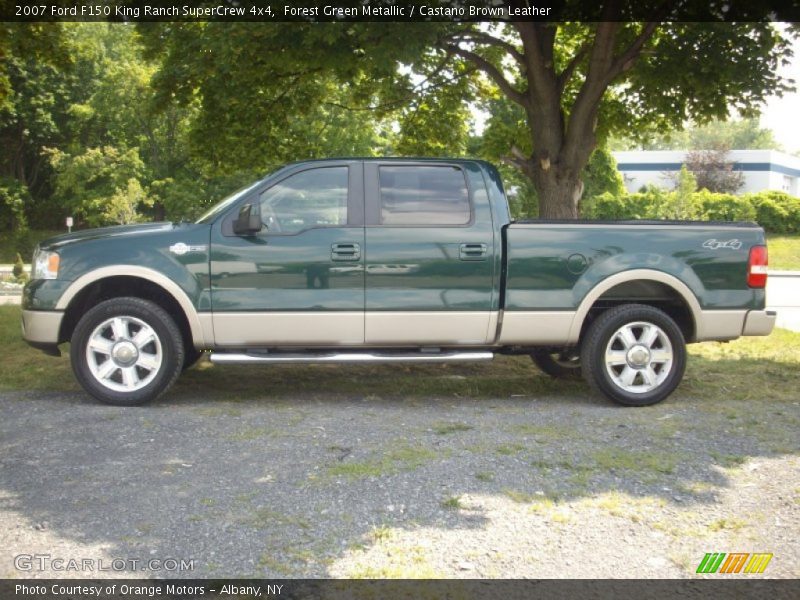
472	252
345	251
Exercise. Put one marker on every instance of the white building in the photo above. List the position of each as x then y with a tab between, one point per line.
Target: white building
763	169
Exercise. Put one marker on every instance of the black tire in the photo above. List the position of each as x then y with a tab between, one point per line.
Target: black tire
656	375
560	365
150	369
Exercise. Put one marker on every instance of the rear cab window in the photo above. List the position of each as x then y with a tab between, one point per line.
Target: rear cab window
423	195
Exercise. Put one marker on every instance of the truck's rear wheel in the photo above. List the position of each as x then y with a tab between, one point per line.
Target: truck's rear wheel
634	354
565	364
126	351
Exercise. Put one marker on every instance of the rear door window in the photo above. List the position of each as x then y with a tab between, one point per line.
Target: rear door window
423	195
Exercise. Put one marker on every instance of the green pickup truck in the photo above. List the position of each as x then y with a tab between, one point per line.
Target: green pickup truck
389	260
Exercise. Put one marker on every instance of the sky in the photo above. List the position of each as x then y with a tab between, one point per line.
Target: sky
782	115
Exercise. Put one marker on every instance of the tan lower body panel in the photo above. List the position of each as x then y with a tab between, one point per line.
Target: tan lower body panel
535	327
468	328
415	328
759	322
41	326
720	325
288	328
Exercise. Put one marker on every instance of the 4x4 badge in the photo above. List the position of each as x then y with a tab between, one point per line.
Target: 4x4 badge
180	248
713	244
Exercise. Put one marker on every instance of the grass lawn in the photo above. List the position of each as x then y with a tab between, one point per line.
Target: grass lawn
754	370
784	252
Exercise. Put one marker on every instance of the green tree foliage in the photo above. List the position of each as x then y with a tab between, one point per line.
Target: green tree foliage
104	99
575	83
42	43
14	198
101	185
579	83
270	94
207	105
601	175
681	204
125	204
120	113
33	109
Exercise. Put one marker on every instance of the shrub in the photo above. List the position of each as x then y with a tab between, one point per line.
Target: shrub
606	206
680	203
724	207
19	266
777	212
601	175
18	270
649	203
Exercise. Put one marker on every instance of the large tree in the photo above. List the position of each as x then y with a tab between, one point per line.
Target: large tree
572	83
576	83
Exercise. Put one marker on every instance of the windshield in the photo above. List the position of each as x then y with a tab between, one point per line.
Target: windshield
223	204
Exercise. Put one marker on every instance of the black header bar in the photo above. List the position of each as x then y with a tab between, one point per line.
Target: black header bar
295	589
135	11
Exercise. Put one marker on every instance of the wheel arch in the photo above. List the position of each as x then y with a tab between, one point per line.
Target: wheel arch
130	280
677	289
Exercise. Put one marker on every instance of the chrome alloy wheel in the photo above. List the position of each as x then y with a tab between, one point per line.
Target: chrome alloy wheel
124	354
639	357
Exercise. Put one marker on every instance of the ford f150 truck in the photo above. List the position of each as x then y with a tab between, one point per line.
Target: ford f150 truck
389	260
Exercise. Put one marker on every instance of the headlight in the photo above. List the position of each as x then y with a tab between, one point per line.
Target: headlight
45	265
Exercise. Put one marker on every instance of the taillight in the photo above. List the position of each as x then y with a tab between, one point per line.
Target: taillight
757	267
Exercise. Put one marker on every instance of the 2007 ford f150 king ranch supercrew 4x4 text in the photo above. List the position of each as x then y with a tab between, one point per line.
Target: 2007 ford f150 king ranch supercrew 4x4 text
391	260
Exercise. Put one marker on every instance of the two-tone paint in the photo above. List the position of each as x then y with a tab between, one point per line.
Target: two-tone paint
487	283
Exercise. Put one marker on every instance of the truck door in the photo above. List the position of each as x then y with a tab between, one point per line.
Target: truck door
430	269
300	281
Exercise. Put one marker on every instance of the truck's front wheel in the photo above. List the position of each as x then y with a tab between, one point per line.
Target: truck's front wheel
634	354
126	351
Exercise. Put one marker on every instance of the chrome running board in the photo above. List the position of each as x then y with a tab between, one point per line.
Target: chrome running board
225	358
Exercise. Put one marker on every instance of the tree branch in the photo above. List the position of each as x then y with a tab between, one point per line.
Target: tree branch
493	72
517	159
625	60
566	74
546	37
486	38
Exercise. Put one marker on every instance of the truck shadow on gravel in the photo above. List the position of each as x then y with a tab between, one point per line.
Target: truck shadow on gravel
306	472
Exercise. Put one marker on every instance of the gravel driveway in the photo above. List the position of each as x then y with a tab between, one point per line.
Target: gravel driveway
316	485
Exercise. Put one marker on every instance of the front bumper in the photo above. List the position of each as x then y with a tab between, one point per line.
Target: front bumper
40	328
759	322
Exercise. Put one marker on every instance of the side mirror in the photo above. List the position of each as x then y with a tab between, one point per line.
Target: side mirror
248	221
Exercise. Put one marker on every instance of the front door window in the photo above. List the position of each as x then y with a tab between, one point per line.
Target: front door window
310	199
